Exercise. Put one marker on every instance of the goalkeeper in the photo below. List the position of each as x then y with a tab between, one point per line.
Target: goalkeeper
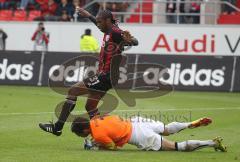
110	132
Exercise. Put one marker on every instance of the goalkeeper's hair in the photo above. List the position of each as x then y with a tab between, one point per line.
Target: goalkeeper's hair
79	124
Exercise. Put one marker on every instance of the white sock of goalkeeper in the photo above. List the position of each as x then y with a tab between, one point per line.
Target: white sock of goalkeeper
192	145
175	127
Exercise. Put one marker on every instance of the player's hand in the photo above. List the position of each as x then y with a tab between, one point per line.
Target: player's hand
82	12
127	37
90	145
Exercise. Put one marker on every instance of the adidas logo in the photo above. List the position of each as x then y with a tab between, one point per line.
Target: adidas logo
16	71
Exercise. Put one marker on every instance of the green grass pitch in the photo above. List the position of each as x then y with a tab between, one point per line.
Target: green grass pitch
22	108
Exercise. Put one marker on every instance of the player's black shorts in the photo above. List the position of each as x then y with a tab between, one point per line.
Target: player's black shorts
99	82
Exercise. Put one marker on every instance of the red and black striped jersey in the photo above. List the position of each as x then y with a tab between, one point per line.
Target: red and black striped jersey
111	47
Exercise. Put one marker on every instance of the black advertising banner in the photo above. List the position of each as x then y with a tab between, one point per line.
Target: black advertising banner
19	68
76	61
194	72
237	76
200	73
52	62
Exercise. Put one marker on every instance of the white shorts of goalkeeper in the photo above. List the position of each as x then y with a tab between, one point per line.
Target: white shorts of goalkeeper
146	133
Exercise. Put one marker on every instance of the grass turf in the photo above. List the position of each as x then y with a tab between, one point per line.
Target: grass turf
22	108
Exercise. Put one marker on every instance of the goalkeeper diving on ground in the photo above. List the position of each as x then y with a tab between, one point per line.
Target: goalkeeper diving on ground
110	132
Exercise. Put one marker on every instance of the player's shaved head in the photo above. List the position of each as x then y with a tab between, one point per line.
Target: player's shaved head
105	20
107	14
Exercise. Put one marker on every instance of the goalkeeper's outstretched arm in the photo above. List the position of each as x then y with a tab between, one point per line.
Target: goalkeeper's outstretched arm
93	145
110	146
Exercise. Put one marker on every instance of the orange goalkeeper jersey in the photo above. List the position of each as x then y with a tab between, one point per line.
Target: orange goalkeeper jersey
111	129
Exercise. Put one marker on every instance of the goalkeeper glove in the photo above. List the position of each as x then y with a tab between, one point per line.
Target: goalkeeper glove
90	145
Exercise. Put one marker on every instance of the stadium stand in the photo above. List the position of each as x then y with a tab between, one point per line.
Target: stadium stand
33	14
233	18
230	16
6	15
19	15
127	11
147	7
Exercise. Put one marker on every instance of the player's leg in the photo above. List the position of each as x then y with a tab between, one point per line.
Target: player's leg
157	127
97	89
66	108
191	145
70	102
94	86
96	83
92	102
162	129
176	127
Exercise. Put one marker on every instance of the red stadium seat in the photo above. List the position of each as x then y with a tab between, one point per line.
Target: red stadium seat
33	14
19	15
147	7
6	15
229	19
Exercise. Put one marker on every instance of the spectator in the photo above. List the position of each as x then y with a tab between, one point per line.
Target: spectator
4	4
24	3
41	2
111	6
49	9
13	4
195	8
3	37
186	8
65	16
88	43
118	6
65	6
76	3
228	9
40	38
182	19
75	16
171	8
183	8
81	2
58	1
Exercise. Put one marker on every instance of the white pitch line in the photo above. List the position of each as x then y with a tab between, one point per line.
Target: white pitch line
132	110
180	109
26	113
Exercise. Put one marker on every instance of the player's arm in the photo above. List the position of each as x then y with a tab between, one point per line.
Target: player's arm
105	143
129	39
125	37
110	146
86	14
